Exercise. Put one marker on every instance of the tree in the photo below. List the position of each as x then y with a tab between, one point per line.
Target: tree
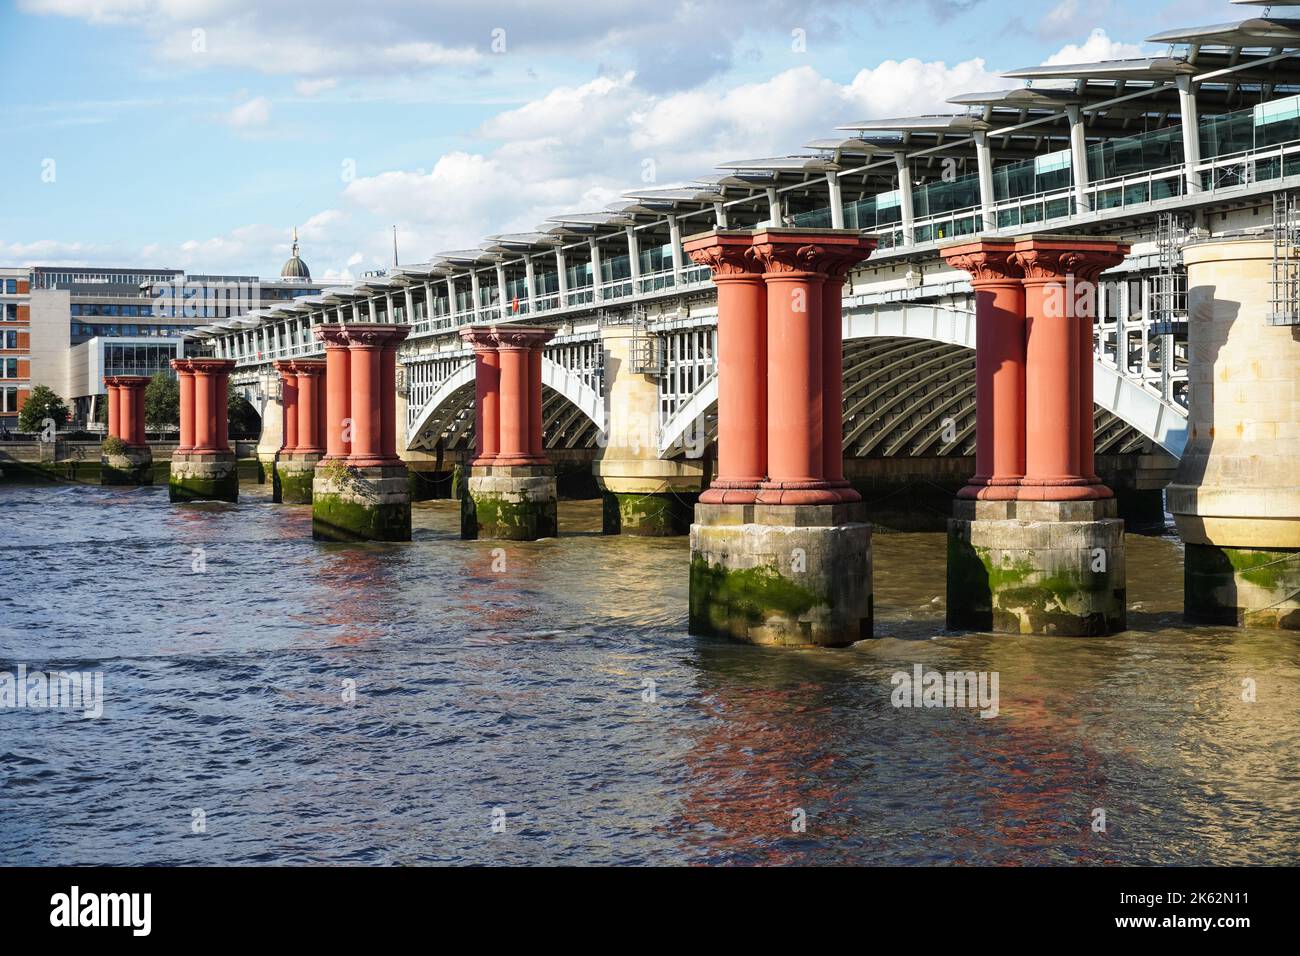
41	404
241	416
162	401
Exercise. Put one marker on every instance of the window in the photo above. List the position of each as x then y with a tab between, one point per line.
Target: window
11	339
11	286
10	367
9	399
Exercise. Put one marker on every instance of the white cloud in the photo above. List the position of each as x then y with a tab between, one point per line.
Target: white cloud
681	44
325	237
1098	46
1061	21
578	148
314	87
255	113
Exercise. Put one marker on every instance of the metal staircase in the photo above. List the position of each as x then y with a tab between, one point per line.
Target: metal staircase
1284	299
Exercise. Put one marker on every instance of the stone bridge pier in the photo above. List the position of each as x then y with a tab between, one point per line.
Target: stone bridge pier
1236	496
360	488
643	494
132	464
780	550
511	489
1034	545
203	466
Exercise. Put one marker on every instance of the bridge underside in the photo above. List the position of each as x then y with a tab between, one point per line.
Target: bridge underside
915	398
903	398
451	428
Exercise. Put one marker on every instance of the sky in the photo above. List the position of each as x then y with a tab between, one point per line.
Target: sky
196	134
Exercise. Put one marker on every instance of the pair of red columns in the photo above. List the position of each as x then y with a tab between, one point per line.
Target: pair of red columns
205	425
300	400
780	363
508	393
361	392
1035	301
126	408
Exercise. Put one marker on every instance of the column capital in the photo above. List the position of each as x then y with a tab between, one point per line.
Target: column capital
283	366
1056	257
521	337
987	260
823	252
373	335
728	253
204	366
127	381
479	338
331	335
307	366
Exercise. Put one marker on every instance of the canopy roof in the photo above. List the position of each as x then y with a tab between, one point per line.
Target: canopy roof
1230	66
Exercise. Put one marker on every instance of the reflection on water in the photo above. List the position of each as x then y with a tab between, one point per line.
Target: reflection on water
564	692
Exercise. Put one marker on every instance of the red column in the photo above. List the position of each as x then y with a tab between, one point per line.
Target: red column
308	374
514	400
1056	468
114	408
130	390
742	364
211	377
126	396
999	366
185	379
220	406
372	391
363	369
338	392
318	413
508	393
205	425
487	394
840	263
388	401
796	266
289	399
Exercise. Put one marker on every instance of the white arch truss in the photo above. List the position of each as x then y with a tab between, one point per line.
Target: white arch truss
1163	422
449	399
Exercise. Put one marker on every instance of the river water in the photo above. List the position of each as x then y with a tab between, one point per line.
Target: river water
473	702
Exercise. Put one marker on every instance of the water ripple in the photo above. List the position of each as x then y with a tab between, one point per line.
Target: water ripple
417	704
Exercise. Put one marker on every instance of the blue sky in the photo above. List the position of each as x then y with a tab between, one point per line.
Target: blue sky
195	133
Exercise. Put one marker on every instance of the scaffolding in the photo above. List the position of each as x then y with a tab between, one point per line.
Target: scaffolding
646	353
647	356
1284	298
1169	284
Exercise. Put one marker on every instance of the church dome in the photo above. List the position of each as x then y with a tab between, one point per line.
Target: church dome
295	268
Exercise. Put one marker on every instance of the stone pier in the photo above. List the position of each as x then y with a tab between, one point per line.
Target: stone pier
127	460
780	550
1034	545
511	488
203	466
360	488
1236	495
303	430
642	493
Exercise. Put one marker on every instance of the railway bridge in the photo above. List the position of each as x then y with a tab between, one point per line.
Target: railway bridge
1159	157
